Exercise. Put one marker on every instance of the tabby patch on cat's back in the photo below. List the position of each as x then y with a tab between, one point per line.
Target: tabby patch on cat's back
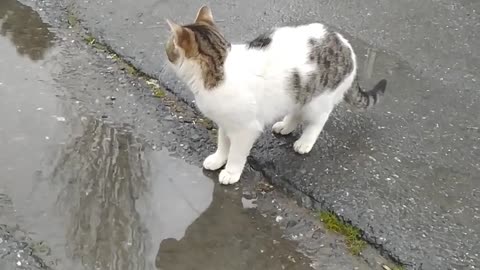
262	41
288	76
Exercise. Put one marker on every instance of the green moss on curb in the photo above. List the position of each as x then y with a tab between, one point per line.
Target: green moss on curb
353	240
89	40
157	90
72	20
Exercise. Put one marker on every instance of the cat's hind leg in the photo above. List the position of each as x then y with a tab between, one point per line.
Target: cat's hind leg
315	115
288	124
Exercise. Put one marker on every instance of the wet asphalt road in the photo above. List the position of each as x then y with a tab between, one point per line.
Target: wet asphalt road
99	174
406	173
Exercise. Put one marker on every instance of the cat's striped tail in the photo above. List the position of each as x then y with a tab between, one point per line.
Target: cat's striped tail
364	100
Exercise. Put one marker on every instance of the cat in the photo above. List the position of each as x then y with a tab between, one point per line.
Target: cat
299	73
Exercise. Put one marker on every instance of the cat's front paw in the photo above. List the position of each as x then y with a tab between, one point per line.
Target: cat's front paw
283	128
303	146
227	178
214	162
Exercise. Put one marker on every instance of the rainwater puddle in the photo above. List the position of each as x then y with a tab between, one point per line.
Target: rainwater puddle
79	193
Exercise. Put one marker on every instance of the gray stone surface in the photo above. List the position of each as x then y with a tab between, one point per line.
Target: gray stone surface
406	173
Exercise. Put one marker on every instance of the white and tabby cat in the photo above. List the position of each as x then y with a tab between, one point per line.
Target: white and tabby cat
298	73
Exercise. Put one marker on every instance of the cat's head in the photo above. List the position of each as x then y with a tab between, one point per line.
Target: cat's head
198	49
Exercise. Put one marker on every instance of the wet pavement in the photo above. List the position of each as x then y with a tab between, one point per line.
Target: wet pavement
405	173
98	174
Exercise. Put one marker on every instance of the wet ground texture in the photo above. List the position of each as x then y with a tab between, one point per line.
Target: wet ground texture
405	173
98	173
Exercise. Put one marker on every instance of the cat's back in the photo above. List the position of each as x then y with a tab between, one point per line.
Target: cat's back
296	36
269	60
280	50
292	45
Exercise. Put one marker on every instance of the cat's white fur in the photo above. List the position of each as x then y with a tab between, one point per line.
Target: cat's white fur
256	93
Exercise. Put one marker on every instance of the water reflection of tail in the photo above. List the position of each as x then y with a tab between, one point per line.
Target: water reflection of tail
25	29
101	174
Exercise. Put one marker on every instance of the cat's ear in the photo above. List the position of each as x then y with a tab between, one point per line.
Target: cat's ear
183	36
204	15
175	28
178	31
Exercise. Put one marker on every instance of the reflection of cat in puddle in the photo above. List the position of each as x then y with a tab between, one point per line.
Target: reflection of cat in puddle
179	194
228	236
